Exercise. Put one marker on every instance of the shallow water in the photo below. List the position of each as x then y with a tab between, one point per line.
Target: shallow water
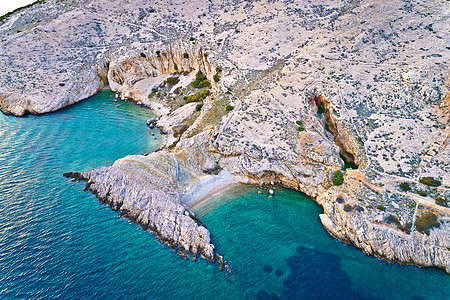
58	241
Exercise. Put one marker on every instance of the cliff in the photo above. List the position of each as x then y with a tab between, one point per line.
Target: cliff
297	91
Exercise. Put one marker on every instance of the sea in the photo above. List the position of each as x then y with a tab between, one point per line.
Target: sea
58	241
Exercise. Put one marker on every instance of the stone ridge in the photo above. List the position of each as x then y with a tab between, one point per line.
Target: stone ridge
142	189
306	84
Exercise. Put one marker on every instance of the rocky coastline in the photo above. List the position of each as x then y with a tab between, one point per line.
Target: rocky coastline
341	101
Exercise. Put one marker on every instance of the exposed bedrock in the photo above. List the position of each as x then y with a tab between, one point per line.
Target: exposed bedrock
369	232
383	87
152	191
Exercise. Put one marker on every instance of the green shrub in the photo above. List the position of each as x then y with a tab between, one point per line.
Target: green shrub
179	130
158	53
216	77
175	67
172	80
229	107
200	96
186	73
192	39
143	55
185	55
441	201
405	186
430	181
299	123
405	228
422	193
200	81
218	69
199	107
320	110
300	128
338	178
381	207
425	222
205	55
391	219
348	208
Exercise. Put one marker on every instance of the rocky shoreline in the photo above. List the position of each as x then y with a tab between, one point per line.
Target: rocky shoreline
341	101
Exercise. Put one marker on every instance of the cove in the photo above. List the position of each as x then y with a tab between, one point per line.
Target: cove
58	241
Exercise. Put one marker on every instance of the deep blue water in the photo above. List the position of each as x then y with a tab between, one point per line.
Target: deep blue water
58	241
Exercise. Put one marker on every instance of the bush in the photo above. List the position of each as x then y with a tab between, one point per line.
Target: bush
300	128
143	55
430	181
405	186
185	55
338	178
158	53
441	201
172	80
422	193
405	228
200	81
229	107
186	73
192	39
299	123
175	66
425	222
320	110
348	208
199	107
381	207
216	77
178	131
200	96
392	220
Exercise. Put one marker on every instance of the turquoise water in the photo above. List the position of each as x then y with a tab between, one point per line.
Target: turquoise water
58	241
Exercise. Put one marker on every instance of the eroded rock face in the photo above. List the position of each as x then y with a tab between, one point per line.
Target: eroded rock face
379	69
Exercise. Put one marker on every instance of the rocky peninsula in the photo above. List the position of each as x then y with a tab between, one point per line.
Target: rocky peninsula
346	101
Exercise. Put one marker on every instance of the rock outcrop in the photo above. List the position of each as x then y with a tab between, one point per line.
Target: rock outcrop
301	85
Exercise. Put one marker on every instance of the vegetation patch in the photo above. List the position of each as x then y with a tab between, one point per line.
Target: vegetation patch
381	207
211	117
198	97
422	193
200	81
405	228
171	81
229	107
300	125
198	107
347	163
405	186
441	201
348	208
338	178
426	222
430	181
391	219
